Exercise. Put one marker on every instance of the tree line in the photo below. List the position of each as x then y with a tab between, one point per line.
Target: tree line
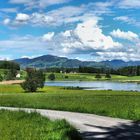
9	65
129	71
125	71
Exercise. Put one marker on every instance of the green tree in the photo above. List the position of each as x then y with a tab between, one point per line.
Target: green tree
98	76
108	76
1	77
9	65
51	77
10	74
66	77
34	80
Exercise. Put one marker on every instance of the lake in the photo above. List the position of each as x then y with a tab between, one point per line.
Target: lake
97	85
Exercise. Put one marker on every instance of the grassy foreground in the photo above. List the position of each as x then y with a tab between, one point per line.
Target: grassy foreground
109	103
24	126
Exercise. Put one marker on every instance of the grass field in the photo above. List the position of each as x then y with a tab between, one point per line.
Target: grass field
91	77
24	126
82	77
109	103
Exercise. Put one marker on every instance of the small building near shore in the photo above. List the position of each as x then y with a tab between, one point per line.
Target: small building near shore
18	75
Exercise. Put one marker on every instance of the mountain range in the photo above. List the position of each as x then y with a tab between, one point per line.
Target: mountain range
49	61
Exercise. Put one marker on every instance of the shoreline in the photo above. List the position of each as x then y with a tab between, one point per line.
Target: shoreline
10	82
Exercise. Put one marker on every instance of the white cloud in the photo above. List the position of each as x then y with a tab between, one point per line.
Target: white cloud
64	15
30	57
19	1
128	20
126	56
40	19
9	10
124	35
48	36
86	37
67	33
123	18
22	17
30	4
20	46
91	36
4	57
6	21
44	3
129	4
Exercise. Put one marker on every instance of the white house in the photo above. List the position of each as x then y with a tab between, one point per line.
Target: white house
18	75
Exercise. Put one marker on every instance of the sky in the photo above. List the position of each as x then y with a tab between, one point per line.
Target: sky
95	30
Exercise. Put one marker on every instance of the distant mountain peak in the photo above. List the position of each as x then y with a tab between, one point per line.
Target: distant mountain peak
48	61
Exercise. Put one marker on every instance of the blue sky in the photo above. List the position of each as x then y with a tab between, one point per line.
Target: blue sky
84	29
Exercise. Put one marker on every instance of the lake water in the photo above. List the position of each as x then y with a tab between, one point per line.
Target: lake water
97	85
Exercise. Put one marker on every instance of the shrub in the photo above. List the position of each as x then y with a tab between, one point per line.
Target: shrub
73	88
98	76
108	76
51	77
1	77
10	74
34	80
66	77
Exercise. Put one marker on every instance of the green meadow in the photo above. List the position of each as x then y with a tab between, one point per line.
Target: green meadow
118	104
82	77
91	77
32	126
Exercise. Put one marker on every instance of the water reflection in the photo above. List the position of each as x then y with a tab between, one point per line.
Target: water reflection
97	85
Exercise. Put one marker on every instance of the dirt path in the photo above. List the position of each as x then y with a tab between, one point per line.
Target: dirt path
93	126
11	82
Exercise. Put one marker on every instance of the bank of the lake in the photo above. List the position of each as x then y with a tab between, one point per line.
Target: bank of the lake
119	104
91	77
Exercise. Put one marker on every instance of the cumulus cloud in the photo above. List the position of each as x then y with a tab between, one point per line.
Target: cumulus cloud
131	36
87	36
64	15
84	35
48	36
91	35
53	18
67	33
22	17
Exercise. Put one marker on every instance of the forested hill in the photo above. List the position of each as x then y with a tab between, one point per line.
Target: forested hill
49	61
